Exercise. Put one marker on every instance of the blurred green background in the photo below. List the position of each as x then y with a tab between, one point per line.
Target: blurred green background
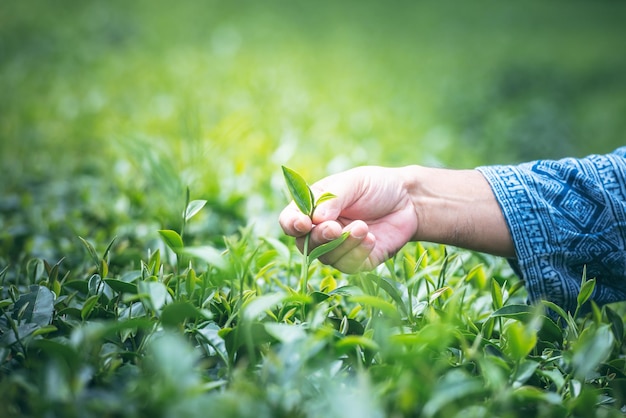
110	109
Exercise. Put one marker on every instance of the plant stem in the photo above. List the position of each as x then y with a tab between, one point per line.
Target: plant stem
304	275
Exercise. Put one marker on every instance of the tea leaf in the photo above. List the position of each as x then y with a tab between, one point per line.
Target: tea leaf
193	208
178	312
299	190
591	349
172	239
586	289
520	312
36	306
325	197
328	247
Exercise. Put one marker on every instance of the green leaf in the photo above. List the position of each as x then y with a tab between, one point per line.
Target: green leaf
121	287
514	311
328	247
299	190
520	340
454	385
392	291
496	294
258	305
88	306
592	348
350	342
178	312
155	293
92	251
586	289
617	324
36	306
172	239
324	197
193	208
376	302
285	333
208	254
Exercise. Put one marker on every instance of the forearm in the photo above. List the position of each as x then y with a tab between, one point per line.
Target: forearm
457	207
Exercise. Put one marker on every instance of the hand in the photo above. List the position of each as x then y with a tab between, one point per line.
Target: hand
372	203
384	208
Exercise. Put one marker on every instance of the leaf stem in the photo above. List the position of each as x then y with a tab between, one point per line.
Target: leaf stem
305	264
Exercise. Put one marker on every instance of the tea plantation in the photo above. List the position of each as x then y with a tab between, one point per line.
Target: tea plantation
142	269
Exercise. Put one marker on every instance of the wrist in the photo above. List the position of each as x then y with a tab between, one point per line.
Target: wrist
456	207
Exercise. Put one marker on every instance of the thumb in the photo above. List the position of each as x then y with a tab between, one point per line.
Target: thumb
344	186
328	210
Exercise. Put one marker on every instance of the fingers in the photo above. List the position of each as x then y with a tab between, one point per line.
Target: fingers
293	222
352	255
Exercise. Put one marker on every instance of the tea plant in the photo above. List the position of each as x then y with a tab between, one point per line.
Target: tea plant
305	200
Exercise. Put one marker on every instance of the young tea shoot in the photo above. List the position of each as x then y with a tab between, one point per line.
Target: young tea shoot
304	199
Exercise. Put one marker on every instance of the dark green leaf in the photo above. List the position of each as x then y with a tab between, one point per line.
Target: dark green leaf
299	190
88	306
121	287
36	306
617	324
178	312
515	311
392	291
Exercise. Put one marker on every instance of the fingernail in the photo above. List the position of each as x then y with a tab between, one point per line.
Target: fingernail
299	227
326	234
360	235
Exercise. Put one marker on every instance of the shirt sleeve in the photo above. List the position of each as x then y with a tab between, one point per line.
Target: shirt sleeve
565	216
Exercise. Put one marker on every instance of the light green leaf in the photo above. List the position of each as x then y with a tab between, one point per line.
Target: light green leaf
496	294
260	304
350	342
323	198
155	293
376	302
520	340
586	289
92	251
591	349
193	208
328	247
172	239
299	190
208	254
285	333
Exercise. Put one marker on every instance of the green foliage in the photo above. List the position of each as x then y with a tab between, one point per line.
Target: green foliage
427	336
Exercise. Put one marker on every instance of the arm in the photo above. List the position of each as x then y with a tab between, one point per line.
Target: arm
384	208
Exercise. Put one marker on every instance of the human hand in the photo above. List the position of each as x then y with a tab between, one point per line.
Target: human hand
372	203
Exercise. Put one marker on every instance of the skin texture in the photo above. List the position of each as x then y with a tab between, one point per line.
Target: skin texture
384	208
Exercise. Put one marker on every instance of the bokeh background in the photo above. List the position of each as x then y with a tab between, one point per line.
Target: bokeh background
109	110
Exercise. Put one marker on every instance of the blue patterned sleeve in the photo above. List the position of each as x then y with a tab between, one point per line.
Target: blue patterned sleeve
564	215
